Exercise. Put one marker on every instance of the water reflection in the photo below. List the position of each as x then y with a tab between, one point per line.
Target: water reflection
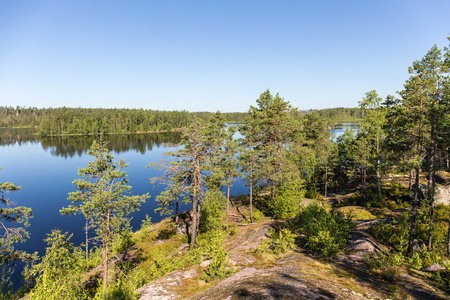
69	146
11	136
78	145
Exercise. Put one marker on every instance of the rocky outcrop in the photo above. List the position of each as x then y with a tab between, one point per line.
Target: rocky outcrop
165	287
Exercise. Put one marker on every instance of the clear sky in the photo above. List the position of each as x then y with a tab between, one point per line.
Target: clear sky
211	55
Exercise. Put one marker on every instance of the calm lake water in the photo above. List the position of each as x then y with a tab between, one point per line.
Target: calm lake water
46	167
341	127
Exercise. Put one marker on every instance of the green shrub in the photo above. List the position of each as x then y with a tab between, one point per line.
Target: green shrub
280	241
283	240
212	211
287	202
312	192
424	258
390	274
441	212
326	231
395	234
387	265
218	267
263	204
58	274
123	240
210	245
257	215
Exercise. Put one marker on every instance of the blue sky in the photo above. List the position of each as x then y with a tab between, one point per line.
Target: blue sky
210	55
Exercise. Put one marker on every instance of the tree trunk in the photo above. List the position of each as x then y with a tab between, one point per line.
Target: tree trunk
378	166
410	179
195	195
432	175
272	194
86	228
228	198
251	199
412	230
176	209
326	178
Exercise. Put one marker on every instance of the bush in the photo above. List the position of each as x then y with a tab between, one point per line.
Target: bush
257	215
218	267
280	241
210	245
326	231
212	211
312	192
263	204
424	258
123	239
390	274
394	234
441	212
287	202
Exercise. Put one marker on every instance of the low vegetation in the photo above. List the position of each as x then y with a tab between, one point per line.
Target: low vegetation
376	187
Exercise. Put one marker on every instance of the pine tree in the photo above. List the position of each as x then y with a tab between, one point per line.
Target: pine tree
374	118
248	154
175	182
12	233
418	105
192	165
273	118
100	197
230	163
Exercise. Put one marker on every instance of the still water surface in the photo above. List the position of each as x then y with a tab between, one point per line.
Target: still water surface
46	167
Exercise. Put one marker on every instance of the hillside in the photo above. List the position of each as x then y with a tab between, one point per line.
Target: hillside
296	274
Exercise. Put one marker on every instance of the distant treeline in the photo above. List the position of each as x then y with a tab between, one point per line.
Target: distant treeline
84	121
340	113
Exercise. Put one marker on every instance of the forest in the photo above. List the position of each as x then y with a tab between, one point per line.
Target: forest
92	121
285	156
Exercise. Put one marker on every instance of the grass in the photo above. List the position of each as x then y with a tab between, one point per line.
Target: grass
192	286
358	212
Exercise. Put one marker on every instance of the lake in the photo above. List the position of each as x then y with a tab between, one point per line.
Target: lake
46	167
340	128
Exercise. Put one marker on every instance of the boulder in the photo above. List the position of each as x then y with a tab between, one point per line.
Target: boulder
183	228
434	268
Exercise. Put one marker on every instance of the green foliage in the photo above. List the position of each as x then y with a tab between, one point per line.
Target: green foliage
212	211
394	234
326	231
257	215
10	235
123	240
280	241
218	267
287	201
211	245
94	258
100	197
387	265
146	223
283	240
58	274
425	257
441	212
263	205
312	191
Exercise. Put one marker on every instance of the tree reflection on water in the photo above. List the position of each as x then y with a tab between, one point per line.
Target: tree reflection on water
69	146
